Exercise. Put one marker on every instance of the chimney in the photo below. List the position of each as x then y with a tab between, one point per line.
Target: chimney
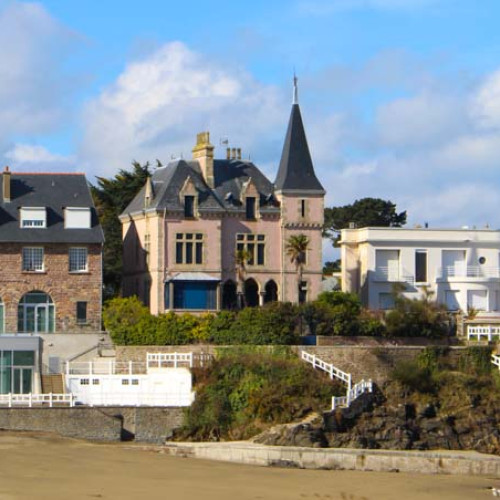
204	153
6	185
228	153
238	153
149	194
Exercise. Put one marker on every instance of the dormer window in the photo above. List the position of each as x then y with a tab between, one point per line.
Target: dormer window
250	207
77	218
33	217
189	206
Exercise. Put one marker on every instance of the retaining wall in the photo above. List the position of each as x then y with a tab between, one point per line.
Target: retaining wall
469	463
146	424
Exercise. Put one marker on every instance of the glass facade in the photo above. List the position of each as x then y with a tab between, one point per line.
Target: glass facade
16	371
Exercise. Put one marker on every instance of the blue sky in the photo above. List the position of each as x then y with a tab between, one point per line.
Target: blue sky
400	98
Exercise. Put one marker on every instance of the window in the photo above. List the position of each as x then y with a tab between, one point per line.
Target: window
33	259
147	247
302	208
250	207
81	312
189	206
387	265
385	301
33	217
96	381
84	381
421	266
125	381
77	260
189	248
77	218
255	245
303	292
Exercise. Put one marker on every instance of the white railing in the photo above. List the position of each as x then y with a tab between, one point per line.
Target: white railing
104	368
328	368
393	274
31	400
352	392
169	359
463	271
480	332
495	359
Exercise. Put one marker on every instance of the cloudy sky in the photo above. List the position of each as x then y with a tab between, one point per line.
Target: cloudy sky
400	98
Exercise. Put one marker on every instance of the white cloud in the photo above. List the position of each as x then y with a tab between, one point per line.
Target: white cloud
157	105
33	44
22	154
485	104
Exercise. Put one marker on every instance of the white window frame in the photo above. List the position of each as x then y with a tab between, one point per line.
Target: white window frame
78	261
33	217
32	262
77	218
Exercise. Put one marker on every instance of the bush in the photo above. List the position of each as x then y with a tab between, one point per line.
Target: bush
417	318
248	389
414	377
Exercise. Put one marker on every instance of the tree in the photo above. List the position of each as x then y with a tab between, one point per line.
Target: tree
363	213
241	258
111	197
296	248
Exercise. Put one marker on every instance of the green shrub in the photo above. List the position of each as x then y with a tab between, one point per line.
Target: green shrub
414	377
476	361
417	318
248	389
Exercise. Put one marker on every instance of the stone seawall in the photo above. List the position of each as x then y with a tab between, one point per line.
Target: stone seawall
144	424
78	422
439	462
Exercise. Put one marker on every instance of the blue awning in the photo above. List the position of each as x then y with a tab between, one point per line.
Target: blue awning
192	277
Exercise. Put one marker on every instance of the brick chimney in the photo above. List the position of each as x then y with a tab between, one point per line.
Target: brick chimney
6	185
204	153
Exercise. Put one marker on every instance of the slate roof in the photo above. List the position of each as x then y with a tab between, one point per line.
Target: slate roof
296	171
230	177
55	192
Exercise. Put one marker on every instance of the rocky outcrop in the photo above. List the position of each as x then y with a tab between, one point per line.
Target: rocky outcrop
375	423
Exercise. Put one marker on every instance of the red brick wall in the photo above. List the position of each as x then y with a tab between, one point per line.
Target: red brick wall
65	288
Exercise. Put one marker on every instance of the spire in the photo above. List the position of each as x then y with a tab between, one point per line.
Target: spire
295	90
296	171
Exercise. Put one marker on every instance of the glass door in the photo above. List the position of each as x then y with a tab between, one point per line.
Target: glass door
21	380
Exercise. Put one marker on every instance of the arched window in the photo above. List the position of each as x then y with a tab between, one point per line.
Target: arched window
251	293
271	292
35	313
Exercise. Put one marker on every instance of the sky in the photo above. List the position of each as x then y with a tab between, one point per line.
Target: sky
400	98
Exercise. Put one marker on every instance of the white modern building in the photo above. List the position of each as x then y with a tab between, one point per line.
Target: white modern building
461	267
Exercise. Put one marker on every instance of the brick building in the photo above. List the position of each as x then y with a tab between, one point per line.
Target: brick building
50	254
183	230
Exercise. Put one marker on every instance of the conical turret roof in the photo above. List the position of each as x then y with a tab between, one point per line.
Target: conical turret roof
296	171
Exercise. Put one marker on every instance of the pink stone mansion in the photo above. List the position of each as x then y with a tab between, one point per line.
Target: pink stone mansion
183	229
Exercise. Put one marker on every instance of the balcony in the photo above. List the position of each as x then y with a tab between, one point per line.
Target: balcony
393	274
469	272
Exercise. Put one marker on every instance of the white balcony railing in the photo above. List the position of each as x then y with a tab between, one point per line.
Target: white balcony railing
393	274
483	332
31	400
463	271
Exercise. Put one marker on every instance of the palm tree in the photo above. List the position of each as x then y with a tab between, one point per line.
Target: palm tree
296	248
241	259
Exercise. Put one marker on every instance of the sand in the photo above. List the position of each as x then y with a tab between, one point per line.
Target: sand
36	466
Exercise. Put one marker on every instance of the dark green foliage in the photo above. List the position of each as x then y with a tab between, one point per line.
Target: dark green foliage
365	212
111	197
339	313
331	267
250	389
414	377
476	361
417	318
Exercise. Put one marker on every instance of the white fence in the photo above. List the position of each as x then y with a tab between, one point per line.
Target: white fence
31	400
352	392
169	359
495	359
328	368
483	332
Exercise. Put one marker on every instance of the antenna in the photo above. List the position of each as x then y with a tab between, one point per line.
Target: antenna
223	141
295	89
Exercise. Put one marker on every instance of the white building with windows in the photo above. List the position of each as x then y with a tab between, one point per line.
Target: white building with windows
461	267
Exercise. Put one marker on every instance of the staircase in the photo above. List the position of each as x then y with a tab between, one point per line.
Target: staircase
352	393
53	384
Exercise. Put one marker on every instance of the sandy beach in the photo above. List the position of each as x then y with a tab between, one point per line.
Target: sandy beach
36	466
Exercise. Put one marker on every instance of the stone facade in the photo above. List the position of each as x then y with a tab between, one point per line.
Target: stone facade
65	288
